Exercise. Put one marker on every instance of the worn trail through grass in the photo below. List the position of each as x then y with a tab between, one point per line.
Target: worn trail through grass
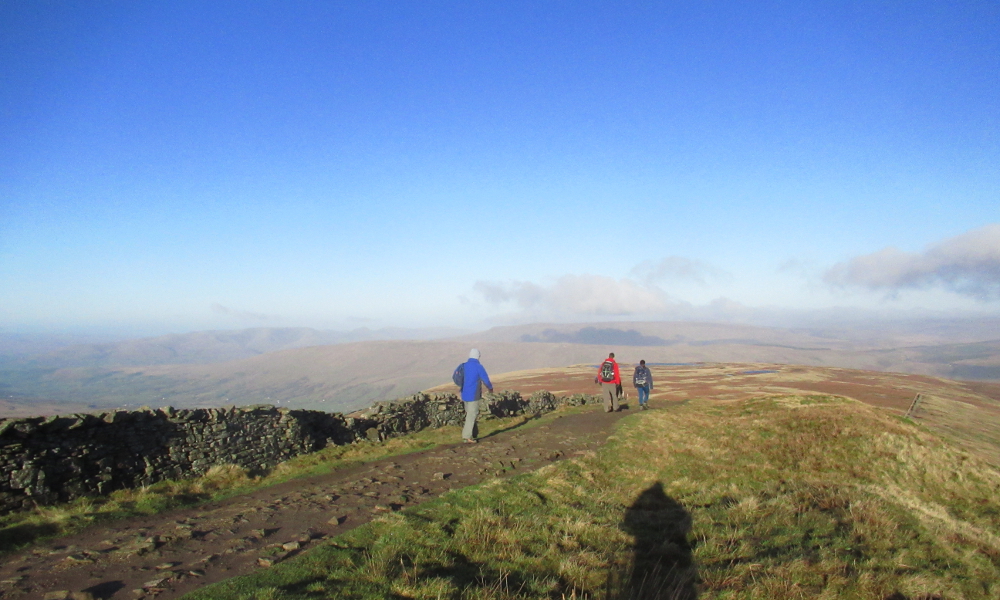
168	554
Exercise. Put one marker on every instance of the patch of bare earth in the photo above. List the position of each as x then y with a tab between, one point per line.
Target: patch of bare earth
168	555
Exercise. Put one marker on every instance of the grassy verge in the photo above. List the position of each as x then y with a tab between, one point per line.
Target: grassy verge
20	530
790	497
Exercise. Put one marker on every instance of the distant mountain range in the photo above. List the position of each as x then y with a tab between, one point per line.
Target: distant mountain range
331	371
200	347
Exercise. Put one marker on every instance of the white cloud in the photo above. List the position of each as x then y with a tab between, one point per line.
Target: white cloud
968	264
241	314
677	268
581	295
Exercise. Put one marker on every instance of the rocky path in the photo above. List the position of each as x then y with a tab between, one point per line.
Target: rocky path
168	555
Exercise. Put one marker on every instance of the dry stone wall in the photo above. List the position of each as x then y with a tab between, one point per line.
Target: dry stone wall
47	460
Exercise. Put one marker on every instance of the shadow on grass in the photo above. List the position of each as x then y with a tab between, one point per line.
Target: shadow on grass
467	577
662	565
18	536
524	421
321	588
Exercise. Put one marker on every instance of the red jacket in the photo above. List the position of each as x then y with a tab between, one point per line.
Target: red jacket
618	376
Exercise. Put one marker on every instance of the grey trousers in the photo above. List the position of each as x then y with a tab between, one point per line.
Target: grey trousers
471	412
610	396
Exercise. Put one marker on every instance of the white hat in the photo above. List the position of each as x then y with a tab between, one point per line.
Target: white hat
474	354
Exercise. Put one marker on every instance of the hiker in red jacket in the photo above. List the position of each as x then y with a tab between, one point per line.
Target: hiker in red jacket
610	380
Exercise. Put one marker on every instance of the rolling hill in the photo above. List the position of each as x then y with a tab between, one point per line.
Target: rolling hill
291	367
200	347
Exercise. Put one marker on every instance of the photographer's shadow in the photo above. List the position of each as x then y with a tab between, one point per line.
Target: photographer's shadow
662	566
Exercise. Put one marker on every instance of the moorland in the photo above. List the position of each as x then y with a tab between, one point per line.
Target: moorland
343	371
745	480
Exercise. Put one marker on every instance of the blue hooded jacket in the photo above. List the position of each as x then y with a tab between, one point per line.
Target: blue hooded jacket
474	373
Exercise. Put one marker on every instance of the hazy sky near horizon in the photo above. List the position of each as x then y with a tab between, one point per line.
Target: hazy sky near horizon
190	165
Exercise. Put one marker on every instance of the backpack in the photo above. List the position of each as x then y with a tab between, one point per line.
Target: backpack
640	377
608	371
459	376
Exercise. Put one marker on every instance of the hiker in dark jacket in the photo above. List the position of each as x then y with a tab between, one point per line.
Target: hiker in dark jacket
642	379
472	393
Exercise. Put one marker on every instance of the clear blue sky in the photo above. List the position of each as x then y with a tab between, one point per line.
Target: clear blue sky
171	166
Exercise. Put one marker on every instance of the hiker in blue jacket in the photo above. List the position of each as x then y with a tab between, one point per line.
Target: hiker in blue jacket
472	393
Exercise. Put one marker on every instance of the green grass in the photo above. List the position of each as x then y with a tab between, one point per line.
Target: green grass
787	497
23	529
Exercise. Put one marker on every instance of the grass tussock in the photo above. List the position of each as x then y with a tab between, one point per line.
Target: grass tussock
772	498
19	530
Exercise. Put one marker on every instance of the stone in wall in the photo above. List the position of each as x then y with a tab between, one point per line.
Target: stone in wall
56	459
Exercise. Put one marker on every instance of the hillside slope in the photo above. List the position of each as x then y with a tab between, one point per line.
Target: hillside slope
765	481
335	378
966	413
347	376
204	347
782	497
